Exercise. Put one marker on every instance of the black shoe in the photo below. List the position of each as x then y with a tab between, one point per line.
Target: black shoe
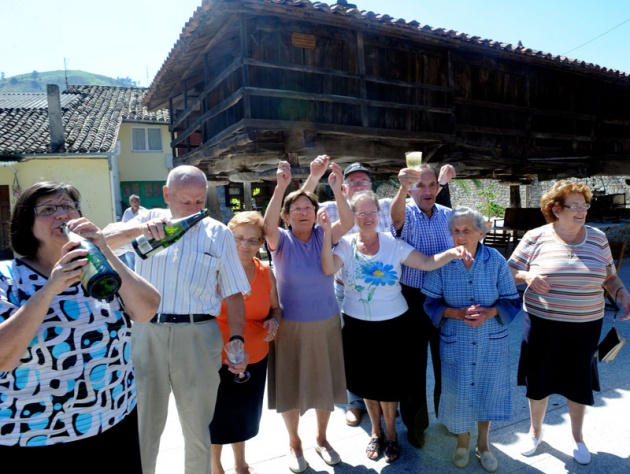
415	440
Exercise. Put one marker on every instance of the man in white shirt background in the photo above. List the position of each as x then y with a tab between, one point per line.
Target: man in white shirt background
132	211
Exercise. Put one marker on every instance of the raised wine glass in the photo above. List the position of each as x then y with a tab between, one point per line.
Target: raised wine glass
236	353
413	159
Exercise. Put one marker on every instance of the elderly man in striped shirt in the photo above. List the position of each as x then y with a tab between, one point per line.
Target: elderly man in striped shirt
180	349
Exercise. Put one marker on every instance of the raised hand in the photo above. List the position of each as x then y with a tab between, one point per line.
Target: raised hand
408	177
322	219
319	166
335	178
283	174
447	172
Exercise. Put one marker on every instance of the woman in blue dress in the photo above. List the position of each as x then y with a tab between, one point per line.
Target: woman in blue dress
472	303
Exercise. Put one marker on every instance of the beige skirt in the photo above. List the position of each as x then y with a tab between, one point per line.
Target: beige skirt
306	367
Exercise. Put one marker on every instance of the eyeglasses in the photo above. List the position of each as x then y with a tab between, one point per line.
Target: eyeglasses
50	209
244	241
359	184
363	215
578	207
300	210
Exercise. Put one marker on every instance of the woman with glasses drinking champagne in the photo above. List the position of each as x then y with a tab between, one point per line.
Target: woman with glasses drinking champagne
566	266
375	314
67	385
306	370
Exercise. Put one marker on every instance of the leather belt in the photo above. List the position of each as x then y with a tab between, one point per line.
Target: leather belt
181	318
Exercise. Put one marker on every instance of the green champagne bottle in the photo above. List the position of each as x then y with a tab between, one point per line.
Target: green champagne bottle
98	278
145	247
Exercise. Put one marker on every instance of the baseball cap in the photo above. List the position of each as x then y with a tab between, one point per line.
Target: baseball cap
353	168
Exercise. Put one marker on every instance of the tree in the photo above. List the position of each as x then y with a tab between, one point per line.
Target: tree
2	76
34	75
126	82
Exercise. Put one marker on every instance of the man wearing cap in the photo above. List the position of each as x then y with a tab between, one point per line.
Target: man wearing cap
356	178
424	224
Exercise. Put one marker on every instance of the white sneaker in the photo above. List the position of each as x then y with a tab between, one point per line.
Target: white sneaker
581	454
531	445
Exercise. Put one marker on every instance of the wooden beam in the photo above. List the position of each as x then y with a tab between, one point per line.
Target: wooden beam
285	94
343	74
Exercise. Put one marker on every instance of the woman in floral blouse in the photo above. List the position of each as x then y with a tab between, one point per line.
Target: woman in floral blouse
375	313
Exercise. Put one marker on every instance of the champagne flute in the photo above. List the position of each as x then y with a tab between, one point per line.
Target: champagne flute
413	159
236	353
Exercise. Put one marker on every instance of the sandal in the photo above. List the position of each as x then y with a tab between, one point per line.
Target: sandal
392	450
374	448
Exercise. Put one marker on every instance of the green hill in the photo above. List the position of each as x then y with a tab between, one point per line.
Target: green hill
36	81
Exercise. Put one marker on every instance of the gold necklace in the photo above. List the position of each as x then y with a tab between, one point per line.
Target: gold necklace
569	244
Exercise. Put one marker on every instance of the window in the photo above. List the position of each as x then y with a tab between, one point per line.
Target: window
146	139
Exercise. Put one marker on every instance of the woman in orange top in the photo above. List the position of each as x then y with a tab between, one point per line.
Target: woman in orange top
239	405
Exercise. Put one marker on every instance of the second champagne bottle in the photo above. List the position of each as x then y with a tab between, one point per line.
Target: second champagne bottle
173	231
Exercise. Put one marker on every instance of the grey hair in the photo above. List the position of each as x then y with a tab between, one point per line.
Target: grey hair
463	212
364	196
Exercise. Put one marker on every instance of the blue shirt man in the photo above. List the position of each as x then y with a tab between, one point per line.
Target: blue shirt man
423	224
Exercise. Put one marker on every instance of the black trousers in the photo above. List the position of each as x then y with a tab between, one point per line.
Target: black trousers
422	335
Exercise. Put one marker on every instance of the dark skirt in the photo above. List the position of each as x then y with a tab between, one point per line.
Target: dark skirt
102	453
558	357
374	356
239	405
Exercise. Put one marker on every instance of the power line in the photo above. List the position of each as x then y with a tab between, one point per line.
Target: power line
597	37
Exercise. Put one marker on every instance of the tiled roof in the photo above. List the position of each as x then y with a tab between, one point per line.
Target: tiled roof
91	119
349	12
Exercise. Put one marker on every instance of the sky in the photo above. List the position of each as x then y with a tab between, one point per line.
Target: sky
132	38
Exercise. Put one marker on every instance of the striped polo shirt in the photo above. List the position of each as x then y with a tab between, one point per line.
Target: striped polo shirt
575	272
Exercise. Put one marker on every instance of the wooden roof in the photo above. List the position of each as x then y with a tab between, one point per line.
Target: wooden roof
193	40
252	81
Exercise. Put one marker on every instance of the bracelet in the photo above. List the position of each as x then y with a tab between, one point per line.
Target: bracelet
240	338
276	322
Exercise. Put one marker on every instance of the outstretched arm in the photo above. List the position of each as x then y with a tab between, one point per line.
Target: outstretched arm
330	262
420	261
346	217
272	214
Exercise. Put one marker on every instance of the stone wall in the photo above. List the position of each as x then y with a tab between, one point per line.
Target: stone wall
466	193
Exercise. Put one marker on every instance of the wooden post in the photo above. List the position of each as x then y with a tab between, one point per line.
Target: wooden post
247	195
212	202
515	195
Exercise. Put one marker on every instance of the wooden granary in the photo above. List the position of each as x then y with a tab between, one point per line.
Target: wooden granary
250	82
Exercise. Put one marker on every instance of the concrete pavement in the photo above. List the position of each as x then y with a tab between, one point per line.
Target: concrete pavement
606	433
